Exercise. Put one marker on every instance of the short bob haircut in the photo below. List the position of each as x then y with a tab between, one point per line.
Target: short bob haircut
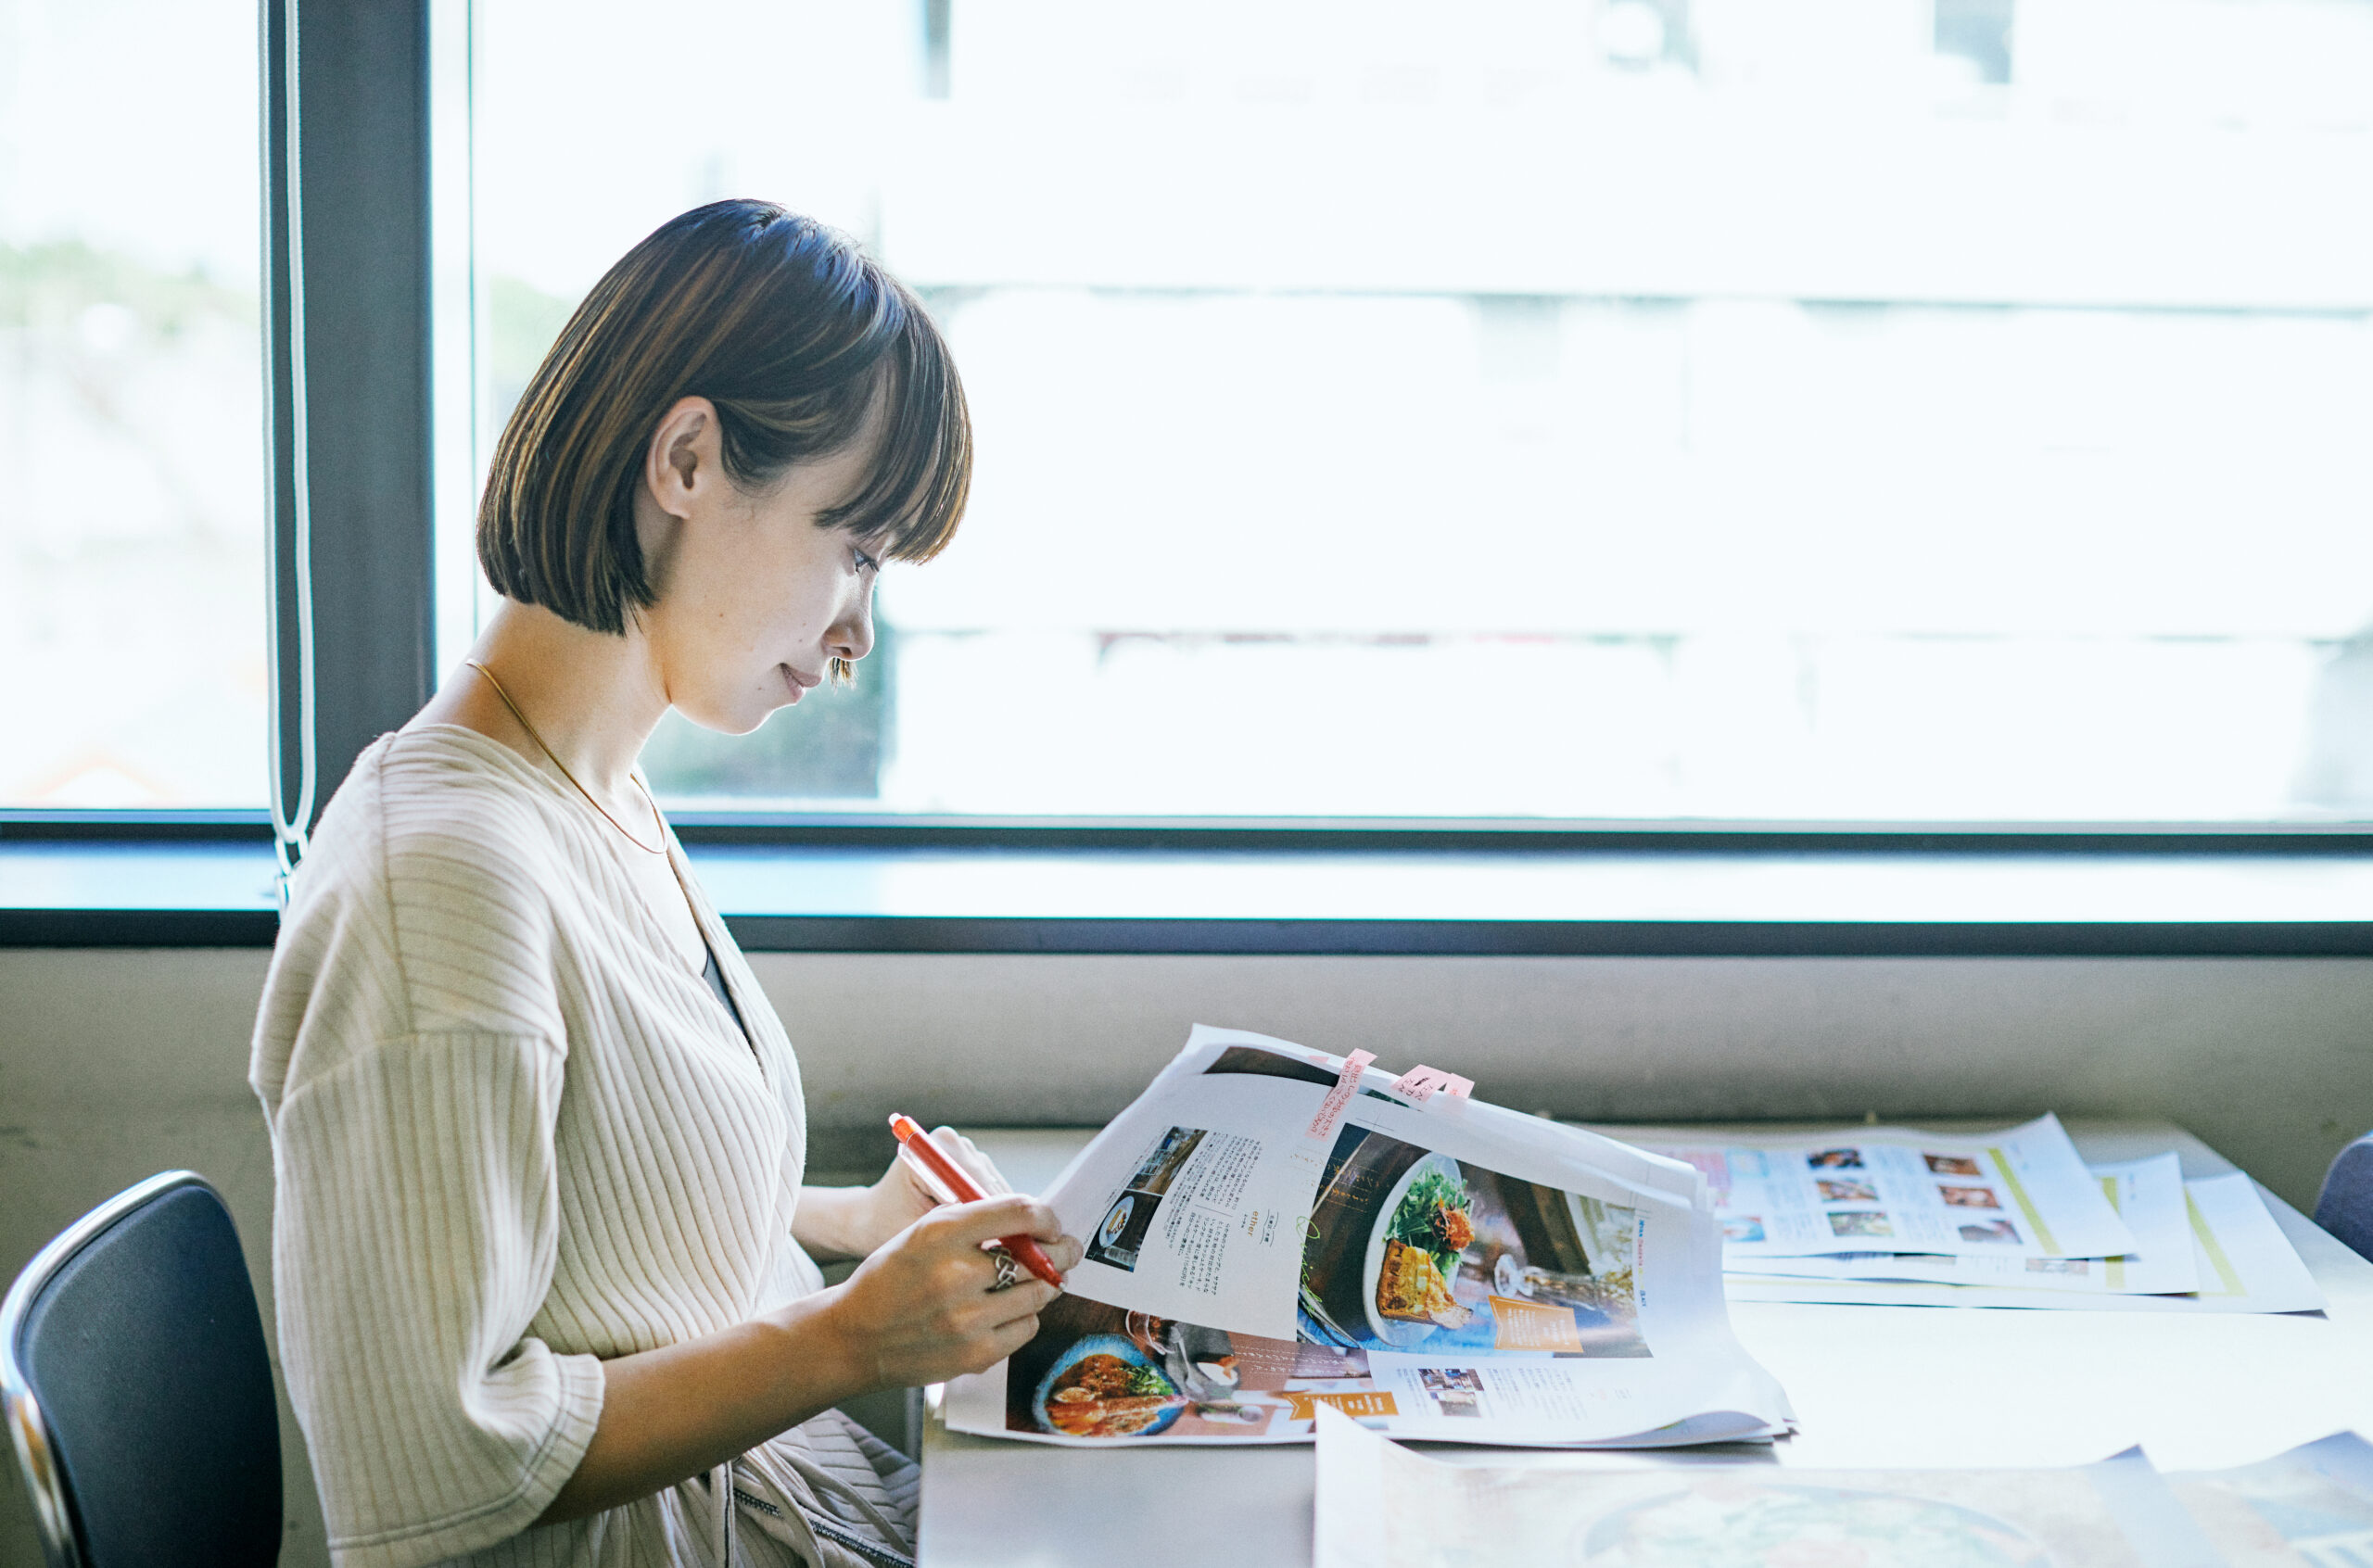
794	335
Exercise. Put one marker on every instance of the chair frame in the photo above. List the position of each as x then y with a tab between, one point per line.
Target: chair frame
28	1429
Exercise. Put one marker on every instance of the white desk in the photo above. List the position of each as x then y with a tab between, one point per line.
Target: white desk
1872	1386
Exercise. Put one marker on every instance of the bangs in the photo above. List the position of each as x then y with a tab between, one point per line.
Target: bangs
922	468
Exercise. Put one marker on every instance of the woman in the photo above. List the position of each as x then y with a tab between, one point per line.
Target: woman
541	1249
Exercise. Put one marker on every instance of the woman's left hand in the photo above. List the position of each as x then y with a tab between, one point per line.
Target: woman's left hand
903	1196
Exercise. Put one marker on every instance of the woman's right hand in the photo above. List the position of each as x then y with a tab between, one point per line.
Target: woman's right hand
921	1310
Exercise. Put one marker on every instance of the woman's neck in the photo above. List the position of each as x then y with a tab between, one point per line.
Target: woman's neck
593	698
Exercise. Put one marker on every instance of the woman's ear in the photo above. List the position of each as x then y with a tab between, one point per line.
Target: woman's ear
683	456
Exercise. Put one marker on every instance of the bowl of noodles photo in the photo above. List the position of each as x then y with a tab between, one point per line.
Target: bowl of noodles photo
1106	1385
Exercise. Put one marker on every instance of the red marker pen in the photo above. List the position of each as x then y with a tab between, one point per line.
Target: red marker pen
913	1140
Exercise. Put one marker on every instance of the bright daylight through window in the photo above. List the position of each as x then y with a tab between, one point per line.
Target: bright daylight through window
132	525
1749	409
1828	409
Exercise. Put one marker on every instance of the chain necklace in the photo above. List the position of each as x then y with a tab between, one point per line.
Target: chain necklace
655	817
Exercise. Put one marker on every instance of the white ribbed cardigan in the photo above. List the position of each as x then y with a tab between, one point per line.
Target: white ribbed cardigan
514	1135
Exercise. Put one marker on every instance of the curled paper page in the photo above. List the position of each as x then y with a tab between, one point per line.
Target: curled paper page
1419	1084
1446	1267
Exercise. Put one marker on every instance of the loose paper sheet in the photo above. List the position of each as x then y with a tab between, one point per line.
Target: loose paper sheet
2242	1259
2019	1193
1382	1505
2147	1195
1268	1236
2310	1508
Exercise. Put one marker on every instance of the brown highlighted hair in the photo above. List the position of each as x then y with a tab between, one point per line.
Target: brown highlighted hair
794	335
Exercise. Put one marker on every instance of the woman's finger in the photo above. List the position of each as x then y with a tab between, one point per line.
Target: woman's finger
980	1167
1011	1215
1064	1253
1019	1301
1010	1337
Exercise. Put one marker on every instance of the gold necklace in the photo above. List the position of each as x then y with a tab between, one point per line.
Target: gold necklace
655	817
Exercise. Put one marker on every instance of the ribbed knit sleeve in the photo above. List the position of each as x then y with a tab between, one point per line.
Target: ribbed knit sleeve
414	1243
514	1135
410	1055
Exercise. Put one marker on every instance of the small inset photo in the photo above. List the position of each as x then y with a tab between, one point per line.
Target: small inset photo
1743	1228
1951	1165
1996	1231
1441	1380
1847	1190
1835	1159
1861	1223
1458	1404
1970	1197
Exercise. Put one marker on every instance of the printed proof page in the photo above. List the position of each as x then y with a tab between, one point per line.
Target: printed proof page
1269	1234
2240	1260
2146	1193
2018	1192
1382	1505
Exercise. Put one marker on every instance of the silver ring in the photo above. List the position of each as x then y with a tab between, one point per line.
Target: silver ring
1009	1272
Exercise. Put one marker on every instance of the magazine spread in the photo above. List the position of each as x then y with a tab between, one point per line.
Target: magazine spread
2019	1193
1271	1231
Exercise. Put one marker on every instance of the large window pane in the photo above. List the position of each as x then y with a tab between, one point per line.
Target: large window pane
132	522
1747	409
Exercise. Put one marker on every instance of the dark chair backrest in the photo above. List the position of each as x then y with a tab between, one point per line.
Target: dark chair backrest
2345	1206
138	1390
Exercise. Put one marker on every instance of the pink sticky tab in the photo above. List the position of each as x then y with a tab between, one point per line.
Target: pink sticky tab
1346	1083
1420	1082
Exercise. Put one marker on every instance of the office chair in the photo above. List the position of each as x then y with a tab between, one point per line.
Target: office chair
2345	1206
138	1390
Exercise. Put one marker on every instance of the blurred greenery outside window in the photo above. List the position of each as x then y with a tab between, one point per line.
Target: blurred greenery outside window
131	528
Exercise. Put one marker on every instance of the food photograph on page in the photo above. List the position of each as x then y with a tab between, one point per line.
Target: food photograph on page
1094	1370
1409	1250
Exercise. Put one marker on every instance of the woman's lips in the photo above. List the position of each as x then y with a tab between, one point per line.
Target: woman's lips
796	683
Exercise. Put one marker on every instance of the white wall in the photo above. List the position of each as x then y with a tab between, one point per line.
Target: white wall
114	1065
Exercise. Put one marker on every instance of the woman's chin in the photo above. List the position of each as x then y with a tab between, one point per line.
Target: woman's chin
740	719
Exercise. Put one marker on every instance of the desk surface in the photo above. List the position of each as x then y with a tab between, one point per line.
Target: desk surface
1872	1386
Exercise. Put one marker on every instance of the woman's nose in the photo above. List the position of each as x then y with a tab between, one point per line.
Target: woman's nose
852	636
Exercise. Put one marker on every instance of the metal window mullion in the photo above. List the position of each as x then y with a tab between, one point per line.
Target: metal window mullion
346	383
289	562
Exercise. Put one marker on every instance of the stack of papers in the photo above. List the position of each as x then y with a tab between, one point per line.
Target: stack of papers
1381	1506
1889	1217
1273	1232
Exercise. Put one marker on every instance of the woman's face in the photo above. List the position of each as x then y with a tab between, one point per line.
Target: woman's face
754	599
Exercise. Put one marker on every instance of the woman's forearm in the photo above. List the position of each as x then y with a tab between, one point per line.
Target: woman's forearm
833	1224
924	1307
673	1412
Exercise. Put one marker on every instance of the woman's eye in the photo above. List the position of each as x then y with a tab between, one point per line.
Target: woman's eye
865	563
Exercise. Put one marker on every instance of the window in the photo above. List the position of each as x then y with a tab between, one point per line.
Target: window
1749	409
132	590
1819	409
